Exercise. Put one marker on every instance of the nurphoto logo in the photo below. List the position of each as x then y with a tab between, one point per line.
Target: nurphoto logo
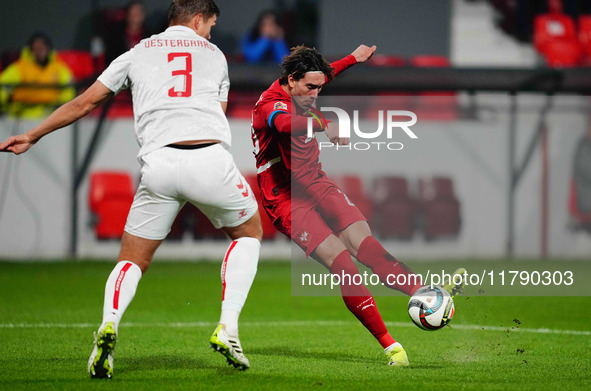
390	120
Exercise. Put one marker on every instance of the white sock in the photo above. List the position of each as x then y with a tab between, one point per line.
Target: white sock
394	345
119	291
238	271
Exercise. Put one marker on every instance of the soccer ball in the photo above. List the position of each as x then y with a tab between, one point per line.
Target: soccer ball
431	308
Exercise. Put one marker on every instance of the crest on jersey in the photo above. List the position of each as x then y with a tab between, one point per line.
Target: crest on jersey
280	106
304	238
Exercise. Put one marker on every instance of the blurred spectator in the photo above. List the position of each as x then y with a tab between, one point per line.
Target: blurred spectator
266	41
38	64
127	33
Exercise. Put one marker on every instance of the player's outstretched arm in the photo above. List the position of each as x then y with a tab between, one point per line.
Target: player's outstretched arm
63	116
364	53
361	54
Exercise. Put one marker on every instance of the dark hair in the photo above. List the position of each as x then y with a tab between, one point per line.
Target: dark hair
181	11
40	35
301	60
255	32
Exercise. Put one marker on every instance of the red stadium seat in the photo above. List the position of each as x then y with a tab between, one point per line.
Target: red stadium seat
240	104
434	105
122	105
427	60
385	100
80	63
110	197
383	60
352	186
394	209
585	35
556	39
439	208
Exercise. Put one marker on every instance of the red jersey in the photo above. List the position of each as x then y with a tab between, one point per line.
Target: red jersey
281	146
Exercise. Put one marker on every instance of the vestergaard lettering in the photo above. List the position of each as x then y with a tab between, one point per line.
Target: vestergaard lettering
150	43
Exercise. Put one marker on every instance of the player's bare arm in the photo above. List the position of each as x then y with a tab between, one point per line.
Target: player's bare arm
364	53
63	116
332	132
359	55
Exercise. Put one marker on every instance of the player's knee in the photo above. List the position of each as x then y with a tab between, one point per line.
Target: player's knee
255	227
143	264
251	229
256	232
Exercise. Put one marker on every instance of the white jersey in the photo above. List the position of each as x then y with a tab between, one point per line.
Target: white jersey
177	80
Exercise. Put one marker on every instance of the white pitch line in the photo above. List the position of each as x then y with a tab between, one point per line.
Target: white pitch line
303	323
512	328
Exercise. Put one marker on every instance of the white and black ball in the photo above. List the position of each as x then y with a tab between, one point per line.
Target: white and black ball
431	308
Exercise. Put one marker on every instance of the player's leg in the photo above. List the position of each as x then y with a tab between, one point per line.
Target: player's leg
368	250
239	269
358	299
148	222
119	292
213	183
393	273
315	237
134	259
238	272
350	224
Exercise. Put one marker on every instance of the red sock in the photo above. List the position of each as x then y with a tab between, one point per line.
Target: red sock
359	300
372	254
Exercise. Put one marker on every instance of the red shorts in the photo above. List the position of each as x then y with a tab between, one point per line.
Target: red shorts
308	219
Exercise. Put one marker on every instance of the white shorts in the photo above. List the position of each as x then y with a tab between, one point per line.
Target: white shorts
206	177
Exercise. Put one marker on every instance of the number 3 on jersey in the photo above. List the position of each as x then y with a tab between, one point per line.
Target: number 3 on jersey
186	72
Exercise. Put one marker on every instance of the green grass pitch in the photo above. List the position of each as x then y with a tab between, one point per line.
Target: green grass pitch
48	312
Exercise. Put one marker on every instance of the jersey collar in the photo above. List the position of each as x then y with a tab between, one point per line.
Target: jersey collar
185	29
279	90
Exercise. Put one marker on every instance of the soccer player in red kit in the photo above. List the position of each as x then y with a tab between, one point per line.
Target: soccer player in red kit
307	206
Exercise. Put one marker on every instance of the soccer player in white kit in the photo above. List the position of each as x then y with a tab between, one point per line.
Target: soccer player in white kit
179	82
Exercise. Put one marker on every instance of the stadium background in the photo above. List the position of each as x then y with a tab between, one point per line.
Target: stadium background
50	309
472	147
